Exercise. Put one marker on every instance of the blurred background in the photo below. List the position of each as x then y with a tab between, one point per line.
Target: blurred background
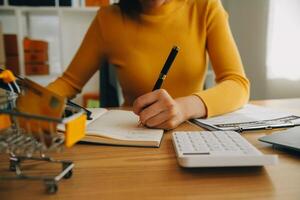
38	39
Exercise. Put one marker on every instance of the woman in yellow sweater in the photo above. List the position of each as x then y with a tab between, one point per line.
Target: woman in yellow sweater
136	36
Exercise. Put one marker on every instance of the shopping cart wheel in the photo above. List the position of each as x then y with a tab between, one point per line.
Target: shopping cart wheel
51	187
13	163
69	174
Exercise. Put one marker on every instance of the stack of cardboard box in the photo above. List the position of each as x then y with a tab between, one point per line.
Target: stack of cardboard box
36	57
11	53
2	54
2	58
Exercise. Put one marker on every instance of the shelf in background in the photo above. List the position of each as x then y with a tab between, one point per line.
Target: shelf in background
79	9
62	27
48	9
7	8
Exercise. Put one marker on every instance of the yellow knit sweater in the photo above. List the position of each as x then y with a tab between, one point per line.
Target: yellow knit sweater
139	48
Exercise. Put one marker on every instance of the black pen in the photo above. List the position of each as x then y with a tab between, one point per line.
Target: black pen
165	69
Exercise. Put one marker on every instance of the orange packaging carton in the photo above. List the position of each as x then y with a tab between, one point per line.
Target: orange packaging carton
96	2
36	69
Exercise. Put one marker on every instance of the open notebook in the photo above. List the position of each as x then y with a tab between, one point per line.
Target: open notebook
120	127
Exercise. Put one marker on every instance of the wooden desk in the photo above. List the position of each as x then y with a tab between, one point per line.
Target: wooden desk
106	172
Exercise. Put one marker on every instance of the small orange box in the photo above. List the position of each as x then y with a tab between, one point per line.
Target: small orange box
2	50
10	45
96	2
38	57
36	69
12	63
35	45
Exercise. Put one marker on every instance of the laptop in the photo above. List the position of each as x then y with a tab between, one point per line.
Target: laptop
289	139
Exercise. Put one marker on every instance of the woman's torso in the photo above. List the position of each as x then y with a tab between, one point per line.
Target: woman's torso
139	48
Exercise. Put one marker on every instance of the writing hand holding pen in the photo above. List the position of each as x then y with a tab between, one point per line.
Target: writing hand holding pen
157	109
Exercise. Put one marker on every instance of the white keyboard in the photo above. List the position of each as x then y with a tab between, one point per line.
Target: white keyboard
217	149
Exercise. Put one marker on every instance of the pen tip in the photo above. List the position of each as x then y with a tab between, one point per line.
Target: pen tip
176	48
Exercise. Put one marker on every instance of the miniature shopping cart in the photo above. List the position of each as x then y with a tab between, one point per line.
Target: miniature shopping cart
21	144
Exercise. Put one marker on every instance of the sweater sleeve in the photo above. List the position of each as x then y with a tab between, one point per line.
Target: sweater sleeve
85	63
232	87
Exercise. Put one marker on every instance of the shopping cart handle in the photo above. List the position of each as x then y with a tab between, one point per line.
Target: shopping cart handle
88	113
12	87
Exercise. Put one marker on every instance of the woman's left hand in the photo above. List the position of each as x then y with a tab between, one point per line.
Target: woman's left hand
158	109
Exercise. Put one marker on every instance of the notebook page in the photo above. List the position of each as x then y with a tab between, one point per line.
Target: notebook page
122	125
96	113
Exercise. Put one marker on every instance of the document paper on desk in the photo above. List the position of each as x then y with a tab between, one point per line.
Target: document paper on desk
121	127
250	117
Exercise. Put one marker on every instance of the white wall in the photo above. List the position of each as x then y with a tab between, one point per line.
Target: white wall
249	24
283	49
248	20
74	26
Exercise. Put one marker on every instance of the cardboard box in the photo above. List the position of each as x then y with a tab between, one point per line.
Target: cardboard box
34	46
36	69
39	57
2	51
10	45
12	63
96	2
36	57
